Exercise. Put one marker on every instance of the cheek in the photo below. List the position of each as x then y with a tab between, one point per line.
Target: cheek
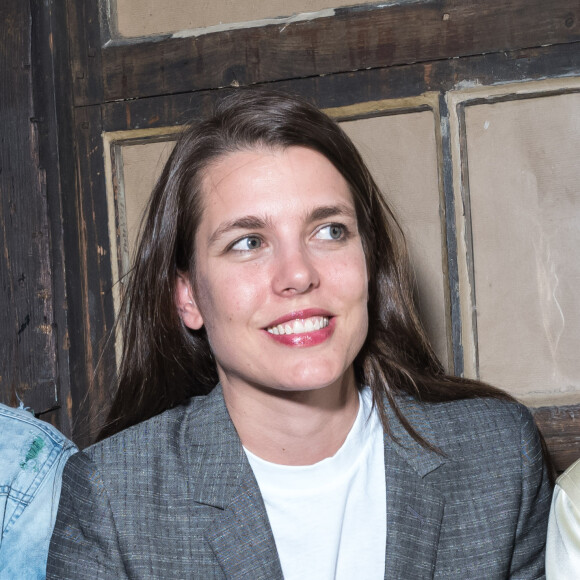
229	295
350	277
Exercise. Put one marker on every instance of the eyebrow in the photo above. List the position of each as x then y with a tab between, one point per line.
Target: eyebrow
249	222
328	211
253	222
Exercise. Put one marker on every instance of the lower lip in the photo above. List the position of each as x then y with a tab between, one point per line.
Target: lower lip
305	339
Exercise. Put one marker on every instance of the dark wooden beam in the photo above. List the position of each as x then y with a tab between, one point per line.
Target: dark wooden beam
90	283
83	20
28	336
352	39
52	98
344	89
561	429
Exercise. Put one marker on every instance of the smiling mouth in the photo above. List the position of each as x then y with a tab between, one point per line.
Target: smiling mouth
300	325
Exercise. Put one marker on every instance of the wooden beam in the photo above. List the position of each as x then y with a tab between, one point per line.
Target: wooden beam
90	282
52	98
352	39
561	429
344	89
28	337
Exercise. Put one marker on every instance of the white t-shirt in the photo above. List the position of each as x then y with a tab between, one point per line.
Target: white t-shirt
329	519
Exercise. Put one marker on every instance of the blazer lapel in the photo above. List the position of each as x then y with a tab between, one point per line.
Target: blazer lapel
242	540
414	507
240	535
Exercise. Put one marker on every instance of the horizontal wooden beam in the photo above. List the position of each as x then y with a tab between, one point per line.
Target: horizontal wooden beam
344	89
561	429
352	39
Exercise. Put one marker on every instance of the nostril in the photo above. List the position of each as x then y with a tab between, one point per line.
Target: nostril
295	275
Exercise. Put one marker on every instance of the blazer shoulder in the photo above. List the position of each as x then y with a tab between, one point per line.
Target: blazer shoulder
160	433
458	427
480	407
480	414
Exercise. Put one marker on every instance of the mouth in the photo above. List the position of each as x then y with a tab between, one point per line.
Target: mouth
299	325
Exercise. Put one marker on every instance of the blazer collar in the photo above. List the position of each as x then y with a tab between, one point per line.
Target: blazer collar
241	537
421	460
414	506
216	460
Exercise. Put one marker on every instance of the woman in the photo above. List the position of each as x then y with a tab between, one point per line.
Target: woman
271	266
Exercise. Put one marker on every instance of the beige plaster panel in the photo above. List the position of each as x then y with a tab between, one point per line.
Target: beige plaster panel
142	165
524	181
401	153
152	17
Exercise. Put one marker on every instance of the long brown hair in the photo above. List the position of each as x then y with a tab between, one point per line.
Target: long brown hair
164	363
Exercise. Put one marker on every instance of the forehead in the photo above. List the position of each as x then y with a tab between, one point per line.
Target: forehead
267	180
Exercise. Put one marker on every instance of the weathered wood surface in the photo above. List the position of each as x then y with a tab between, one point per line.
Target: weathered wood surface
561	429
353	39
343	89
52	98
85	33
28	345
90	286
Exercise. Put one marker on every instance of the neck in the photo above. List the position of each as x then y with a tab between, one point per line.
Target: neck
293	427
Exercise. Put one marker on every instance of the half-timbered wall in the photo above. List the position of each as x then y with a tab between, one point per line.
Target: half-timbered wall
468	114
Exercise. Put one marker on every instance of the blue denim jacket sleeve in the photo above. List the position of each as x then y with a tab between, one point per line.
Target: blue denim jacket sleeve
32	458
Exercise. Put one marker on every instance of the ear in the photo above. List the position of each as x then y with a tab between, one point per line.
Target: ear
186	304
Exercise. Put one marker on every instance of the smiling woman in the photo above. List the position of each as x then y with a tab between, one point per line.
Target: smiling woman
280	412
265	232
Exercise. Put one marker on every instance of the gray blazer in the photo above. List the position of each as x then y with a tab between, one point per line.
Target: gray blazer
175	497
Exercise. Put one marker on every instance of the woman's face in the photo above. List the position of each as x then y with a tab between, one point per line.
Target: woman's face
281	279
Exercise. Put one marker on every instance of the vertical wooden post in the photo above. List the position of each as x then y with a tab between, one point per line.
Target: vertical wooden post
33	320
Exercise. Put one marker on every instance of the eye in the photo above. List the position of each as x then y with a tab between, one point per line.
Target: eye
247	244
331	232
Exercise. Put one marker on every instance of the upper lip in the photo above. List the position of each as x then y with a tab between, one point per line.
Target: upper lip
299	315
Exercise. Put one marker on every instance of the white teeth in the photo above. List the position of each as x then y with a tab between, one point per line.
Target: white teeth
299	326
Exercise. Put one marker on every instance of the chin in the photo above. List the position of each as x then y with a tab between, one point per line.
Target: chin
315	382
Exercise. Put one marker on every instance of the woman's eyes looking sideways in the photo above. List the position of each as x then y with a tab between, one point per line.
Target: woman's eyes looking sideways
330	232
247	244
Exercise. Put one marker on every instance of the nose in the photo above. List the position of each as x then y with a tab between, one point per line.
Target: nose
295	273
